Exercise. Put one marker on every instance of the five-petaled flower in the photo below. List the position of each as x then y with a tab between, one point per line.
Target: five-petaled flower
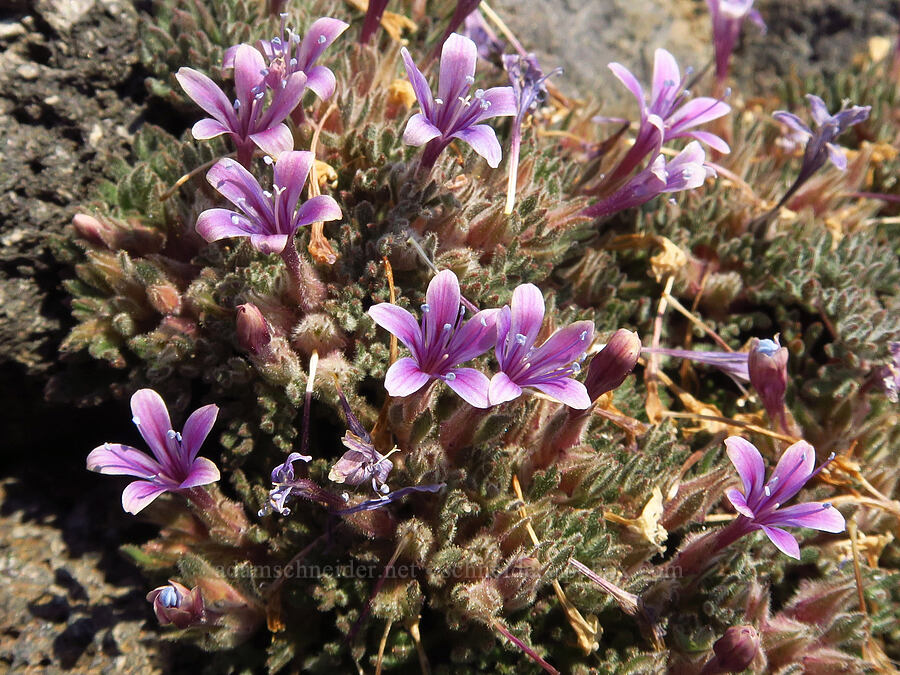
248	121
727	18
820	145
440	343
760	503
686	171
455	113
270	219
174	465
548	368
288	54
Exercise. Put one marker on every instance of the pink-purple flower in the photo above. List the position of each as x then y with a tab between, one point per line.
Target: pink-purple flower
760	504
248	120
686	171
669	113
549	368
455	113
287	54
820	144
438	344
671	102
270	219
727	19
174	465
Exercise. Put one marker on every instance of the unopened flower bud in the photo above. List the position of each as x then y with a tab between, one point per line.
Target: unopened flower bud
253	331
89	228
164	298
518	583
611	365
734	651
767	364
175	604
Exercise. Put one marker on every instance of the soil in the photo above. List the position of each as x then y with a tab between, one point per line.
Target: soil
71	96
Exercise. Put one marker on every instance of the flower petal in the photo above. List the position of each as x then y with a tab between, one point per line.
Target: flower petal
739	502
442	298
419	130
793	122
458	57
321	208
471	385
695	112
208	128
474	337
783	540
793	470
284	100
706	137
566	390
419	83
202	472
503	389
313	44
207	94
404	378
274	141
238	186
666	81
817	107
749	464
630	81
399	322
837	156
321	80
290	173
269	243
215	224
152	420
502	102
248	67
562	348
483	140
527	312
137	495
196	429
115	459
815	515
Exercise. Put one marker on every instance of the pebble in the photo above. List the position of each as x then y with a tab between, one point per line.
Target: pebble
28	71
11	29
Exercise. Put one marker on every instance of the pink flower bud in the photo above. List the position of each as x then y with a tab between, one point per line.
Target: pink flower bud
175	604
609	368
164	298
734	651
253	330
89	228
767	364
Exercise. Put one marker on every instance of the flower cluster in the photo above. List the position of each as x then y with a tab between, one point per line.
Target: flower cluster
491	497
443	340
669	114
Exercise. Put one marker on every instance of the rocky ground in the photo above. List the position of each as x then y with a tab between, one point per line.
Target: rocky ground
71	95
